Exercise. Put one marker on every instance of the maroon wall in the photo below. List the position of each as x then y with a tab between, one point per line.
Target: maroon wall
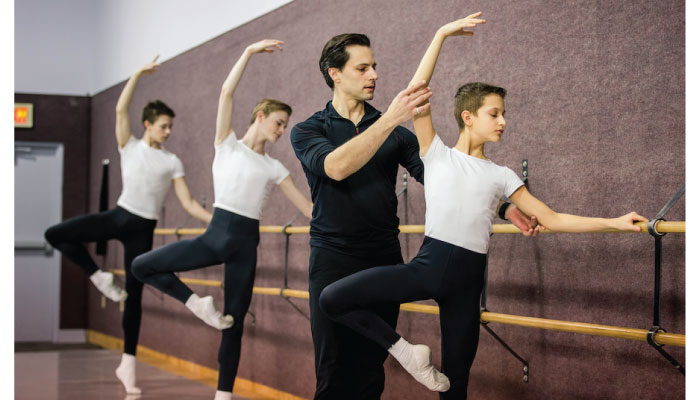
595	103
66	119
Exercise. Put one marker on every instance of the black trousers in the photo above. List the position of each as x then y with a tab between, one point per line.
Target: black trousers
136	235
230	239
451	275
348	365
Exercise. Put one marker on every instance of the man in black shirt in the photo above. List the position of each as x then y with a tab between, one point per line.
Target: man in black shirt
350	154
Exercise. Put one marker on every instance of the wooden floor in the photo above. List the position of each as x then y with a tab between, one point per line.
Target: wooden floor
87	372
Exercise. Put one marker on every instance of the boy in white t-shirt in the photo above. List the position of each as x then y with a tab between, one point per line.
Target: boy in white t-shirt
462	188
243	174
148	171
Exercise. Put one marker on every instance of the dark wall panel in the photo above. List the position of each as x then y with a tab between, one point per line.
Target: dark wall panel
66	119
595	103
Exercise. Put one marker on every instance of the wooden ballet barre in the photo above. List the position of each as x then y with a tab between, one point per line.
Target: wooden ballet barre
672	339
661	227
300	294
179	231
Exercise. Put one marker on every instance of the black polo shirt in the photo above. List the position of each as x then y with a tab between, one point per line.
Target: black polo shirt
357	215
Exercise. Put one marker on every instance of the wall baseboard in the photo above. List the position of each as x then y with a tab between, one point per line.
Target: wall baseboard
190	370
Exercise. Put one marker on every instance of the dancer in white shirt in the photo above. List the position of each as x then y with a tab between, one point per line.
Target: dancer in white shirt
462	188
243	177
148	171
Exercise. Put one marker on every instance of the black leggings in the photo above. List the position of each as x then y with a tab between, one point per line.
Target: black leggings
349	366
136	235
451	275
231	239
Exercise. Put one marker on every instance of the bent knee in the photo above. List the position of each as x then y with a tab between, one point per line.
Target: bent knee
52	235
330	302
140	267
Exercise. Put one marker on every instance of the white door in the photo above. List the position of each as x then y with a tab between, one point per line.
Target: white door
38	201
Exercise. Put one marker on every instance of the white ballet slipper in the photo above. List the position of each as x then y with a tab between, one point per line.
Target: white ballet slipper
126	372
205	309
416	359
104	282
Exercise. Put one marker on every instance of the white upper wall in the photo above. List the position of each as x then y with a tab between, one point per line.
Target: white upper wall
79	47
55	46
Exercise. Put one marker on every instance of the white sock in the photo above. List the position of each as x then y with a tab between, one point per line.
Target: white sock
126	372
222	395
205	309
417	361
104	281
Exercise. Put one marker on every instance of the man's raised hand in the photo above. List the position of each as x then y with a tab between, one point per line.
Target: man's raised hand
409	102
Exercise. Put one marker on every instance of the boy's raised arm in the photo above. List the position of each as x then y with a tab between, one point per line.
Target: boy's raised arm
423	122
122	129
225	109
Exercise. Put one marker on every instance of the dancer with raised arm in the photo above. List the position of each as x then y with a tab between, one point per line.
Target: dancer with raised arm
350	153
243	176
148	170
462	188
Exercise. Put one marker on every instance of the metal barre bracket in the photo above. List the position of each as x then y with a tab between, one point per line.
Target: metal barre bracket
252	314
651	339
656	328
526	365
651	336
286	266
404	187
651	227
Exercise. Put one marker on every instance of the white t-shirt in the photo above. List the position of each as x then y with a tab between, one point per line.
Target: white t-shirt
461	195
243	178
147	174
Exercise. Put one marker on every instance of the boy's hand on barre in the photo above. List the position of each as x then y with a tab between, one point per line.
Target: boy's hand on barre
527	225
626	222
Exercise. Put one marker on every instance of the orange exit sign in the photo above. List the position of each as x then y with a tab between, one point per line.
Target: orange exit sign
24	115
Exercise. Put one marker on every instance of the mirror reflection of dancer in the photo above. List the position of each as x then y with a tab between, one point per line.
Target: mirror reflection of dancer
462	188
147	173
243	177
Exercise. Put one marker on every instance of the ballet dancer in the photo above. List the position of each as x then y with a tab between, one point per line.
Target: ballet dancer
243	176
462	188
148	170
350	153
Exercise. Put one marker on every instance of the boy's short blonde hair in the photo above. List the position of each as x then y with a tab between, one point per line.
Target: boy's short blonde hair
268	106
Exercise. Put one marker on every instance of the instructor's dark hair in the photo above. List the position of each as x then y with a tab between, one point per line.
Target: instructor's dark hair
154	109
470	97
334	54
